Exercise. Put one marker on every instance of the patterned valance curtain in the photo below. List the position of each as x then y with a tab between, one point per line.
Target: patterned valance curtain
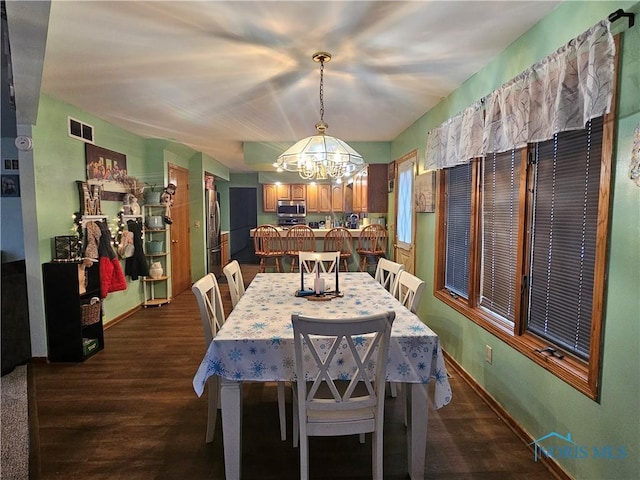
457	140
562	92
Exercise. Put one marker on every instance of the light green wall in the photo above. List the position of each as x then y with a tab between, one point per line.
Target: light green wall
60	160
538	400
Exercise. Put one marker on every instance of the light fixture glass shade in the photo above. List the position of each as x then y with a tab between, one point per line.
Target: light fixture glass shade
320	157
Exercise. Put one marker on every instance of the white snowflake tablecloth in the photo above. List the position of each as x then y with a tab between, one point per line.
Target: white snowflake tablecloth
256	341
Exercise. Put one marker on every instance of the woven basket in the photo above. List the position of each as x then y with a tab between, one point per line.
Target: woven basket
91	312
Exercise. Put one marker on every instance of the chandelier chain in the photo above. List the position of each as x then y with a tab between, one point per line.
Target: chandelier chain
321	90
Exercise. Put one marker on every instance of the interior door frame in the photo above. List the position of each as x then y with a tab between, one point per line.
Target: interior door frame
408	259
176	235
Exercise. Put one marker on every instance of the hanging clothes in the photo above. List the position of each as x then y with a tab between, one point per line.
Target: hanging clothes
136	265
111	275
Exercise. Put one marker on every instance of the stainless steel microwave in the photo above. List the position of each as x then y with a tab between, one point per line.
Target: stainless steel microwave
291	208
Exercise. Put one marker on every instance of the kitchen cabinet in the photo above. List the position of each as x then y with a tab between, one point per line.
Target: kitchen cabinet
324	197
283	192
319	198
73	311
271	193
312	198
224	248
368	192
156	249
298	192
337	198
269	197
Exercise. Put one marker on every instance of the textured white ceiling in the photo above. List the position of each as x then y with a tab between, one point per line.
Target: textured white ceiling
212	74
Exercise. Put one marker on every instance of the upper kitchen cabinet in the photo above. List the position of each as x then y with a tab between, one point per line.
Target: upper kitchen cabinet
368	192
313	206
297	192
271	193
337	198
269	197
325	198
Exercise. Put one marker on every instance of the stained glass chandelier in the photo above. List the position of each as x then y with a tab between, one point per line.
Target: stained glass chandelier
321	156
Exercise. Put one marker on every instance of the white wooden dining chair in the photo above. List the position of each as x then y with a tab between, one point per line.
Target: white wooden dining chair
234	279
327	261
409	290
387	274
207	293
327	407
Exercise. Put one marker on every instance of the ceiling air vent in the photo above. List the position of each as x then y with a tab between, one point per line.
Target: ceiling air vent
80	130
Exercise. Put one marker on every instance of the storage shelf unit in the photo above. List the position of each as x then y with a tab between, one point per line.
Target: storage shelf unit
153	298
68	339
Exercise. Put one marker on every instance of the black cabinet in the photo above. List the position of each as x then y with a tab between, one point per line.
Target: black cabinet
74	328
16	339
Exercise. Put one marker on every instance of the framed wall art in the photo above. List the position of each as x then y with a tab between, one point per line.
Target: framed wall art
10	185
108	169
425	192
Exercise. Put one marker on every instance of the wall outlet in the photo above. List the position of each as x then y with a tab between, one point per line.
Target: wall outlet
488	354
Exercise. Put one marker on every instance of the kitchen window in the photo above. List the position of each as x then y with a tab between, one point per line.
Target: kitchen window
522	247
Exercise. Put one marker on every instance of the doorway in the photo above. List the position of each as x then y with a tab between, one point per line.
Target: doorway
180	244
405	235
243	216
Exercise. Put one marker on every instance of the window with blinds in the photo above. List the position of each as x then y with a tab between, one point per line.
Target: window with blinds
565	220
458	227
500	222
522	248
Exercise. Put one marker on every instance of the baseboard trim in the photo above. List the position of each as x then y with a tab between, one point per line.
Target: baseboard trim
121	317
554	467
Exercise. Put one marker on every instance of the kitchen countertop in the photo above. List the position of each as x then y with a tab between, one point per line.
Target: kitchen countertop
319	232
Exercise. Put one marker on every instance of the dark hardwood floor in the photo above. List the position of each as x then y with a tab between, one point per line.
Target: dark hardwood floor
130	412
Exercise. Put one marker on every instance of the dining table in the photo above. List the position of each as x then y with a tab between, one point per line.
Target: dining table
256	344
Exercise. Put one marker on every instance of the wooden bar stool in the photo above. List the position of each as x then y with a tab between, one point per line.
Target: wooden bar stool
372	245
267	245
339	239
300	238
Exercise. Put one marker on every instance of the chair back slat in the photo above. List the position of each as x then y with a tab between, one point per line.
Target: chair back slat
207	294
300	238
234	278
267	240
342	338
387	273
409	290
327	262
338	239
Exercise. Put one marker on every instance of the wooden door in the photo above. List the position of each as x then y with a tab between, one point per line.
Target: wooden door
405	217
180	246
